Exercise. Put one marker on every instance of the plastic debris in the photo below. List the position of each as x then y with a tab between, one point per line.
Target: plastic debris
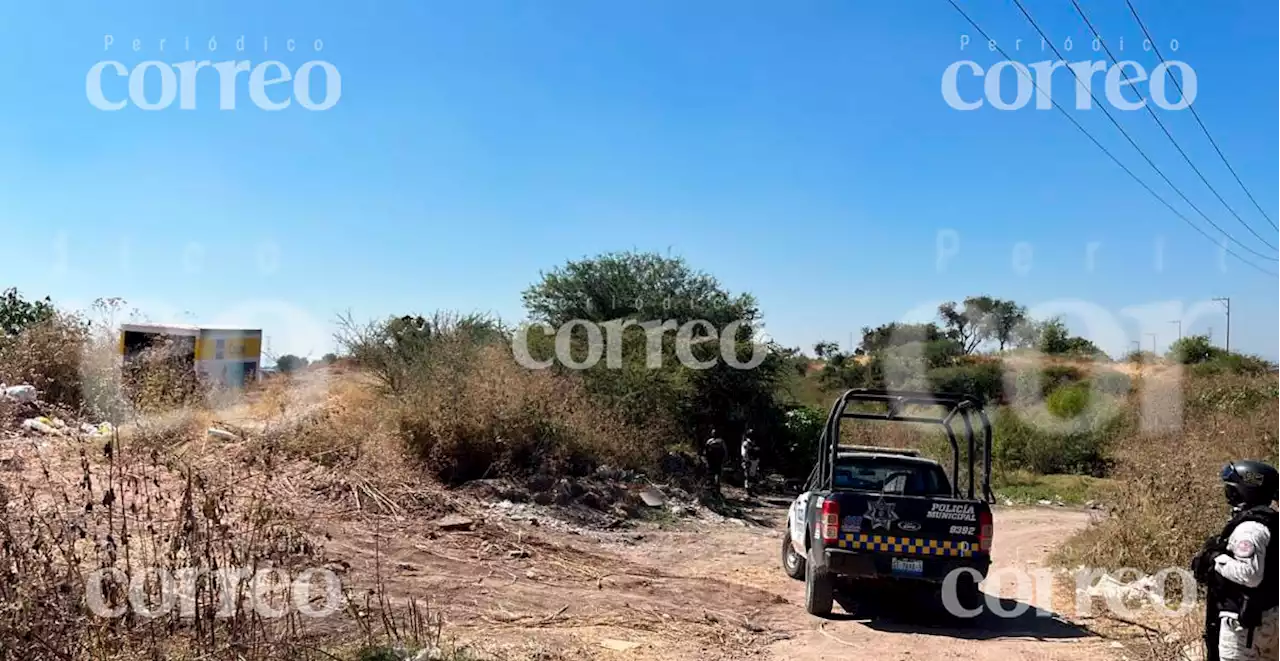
95	431
42	425
652	497
22	393
222	434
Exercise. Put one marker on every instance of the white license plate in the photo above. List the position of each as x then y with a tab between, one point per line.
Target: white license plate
905	566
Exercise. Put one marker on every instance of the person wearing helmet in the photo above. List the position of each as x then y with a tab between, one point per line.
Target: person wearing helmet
1239	566
750	463
714	452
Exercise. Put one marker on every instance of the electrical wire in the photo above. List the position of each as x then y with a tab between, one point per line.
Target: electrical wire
1106	151
1155	116
1103	107
1196	115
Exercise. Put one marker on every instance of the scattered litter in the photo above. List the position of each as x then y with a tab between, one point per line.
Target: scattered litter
455	522
22	394
618	645
222	434
518	553
652	497
44	425
104	429
1143	589
1044	503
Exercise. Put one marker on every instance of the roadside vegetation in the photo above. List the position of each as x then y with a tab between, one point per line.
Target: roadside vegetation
442	398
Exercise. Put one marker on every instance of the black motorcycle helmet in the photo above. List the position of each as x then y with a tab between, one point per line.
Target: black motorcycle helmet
1247	482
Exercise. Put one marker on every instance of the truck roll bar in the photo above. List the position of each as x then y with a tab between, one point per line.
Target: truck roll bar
966	408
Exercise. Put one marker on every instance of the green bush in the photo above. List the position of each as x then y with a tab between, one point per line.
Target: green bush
1036	440
1035	383
799	448
1232	363
984	381
1231	396
1068	402
1192	349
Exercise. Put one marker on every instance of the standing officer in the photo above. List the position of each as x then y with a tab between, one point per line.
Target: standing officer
715	452
750	463
1239	568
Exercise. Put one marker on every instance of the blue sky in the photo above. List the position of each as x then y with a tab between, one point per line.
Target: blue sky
799	151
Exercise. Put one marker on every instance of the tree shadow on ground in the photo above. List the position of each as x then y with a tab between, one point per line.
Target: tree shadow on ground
1000	618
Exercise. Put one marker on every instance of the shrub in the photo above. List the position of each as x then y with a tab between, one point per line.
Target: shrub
17	313
1031	384
1232	363
985	381
469	410
1039	441
1168	497
1192	349
803	427
495	417
50	355
1068	401
289	363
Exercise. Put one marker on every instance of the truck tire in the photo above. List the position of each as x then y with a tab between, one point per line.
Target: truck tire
819	592
792	562
969	592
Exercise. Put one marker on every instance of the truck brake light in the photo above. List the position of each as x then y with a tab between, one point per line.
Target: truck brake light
985	531
830	521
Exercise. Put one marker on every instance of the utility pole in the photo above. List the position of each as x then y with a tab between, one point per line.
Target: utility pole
1179	323
1153	342
1226	301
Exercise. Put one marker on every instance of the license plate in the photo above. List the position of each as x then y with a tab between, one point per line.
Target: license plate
905	566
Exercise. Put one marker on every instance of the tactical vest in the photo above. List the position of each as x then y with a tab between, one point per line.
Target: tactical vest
1231	595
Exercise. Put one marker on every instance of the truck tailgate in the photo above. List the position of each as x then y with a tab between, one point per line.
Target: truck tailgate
910	525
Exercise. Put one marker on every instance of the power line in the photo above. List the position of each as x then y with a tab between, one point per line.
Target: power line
1047	40
1155	116
1196	115
1106	151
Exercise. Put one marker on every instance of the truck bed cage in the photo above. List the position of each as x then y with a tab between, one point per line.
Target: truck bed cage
967	409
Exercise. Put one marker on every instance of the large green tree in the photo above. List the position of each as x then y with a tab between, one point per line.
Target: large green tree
634	285
650	287
980	319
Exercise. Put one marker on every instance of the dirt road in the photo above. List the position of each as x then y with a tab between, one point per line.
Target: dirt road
696	588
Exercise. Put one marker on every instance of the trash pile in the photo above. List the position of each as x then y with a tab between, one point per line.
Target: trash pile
28	408
56	427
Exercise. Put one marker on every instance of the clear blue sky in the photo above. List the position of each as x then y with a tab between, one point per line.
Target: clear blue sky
799	151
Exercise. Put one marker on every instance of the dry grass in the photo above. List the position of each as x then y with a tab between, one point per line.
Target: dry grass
467	409
494	417
1168	498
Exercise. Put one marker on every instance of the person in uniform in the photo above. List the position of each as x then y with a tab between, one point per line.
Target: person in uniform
750	463
714	453
1239	566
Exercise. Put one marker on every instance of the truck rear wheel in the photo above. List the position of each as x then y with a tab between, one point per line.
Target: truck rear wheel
793	563
818	589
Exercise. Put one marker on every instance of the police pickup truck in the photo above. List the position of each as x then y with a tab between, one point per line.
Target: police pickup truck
872	514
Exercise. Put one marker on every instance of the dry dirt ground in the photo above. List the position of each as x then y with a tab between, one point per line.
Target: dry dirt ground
699	588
